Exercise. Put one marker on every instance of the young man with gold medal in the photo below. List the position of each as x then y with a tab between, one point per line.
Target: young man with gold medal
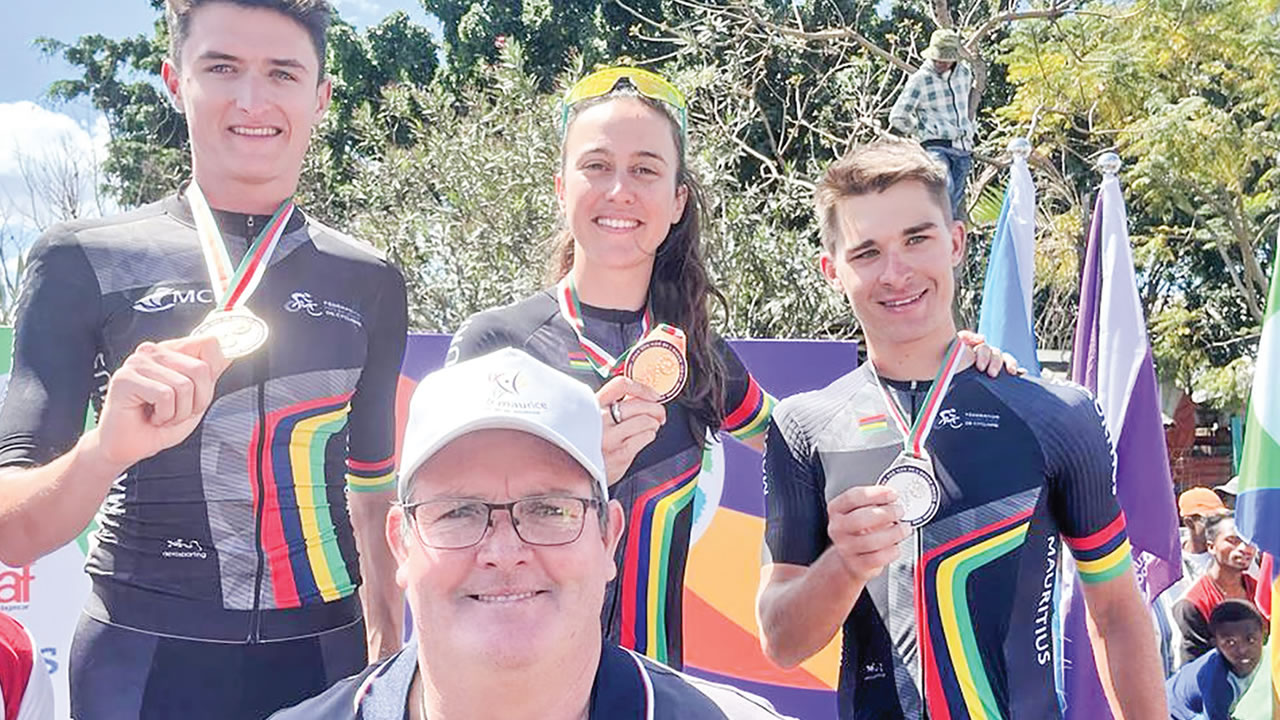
243	361
921	507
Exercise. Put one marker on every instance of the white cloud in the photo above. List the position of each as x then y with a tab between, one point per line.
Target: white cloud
27	129
360	11
49	145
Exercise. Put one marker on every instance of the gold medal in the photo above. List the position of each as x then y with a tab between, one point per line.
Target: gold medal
238	331
659	362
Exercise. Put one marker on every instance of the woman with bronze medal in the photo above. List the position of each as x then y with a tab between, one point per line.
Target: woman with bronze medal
629	314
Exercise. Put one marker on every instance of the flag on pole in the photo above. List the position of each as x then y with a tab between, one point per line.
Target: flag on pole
1112	358
1258	501
1007	312
1267	574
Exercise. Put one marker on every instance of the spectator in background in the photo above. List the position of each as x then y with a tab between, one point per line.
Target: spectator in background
1195	506
1210	686
25	690
934	109
1227	491
1226	579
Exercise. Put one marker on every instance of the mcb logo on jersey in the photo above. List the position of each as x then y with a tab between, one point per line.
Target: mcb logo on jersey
166	298
15	588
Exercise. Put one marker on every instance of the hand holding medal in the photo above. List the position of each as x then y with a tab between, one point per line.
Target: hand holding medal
912	474
239	332
636	383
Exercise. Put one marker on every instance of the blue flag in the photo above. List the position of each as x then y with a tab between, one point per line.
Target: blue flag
1006	318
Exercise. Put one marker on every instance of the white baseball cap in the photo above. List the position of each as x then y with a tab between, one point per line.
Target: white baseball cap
504	390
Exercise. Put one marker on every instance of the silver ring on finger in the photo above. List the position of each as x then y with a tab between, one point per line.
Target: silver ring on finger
615	412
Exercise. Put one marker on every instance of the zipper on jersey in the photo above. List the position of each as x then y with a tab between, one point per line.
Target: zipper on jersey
918	542
255	621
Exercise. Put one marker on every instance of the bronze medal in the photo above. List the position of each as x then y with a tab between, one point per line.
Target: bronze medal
658	361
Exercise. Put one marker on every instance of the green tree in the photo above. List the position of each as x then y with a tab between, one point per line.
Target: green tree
147	155
550	33
1186	92
783	88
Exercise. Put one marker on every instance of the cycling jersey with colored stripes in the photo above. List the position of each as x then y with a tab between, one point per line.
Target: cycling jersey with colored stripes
643	607
241	531
960	625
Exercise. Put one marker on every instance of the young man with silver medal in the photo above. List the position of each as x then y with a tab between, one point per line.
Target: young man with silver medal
923	517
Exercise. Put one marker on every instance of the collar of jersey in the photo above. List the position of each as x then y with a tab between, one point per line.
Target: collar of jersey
229	223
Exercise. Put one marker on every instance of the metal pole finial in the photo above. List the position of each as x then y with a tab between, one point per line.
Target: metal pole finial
1110	163
1020	148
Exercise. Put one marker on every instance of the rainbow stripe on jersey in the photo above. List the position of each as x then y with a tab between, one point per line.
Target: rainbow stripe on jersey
751	417
646	571
299	538
1103	555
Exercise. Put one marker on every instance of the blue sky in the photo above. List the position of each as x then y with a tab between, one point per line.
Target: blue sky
30	124
27	73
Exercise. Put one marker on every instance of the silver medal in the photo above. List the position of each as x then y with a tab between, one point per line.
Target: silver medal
919	494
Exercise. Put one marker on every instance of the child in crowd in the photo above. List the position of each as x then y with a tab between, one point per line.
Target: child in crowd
1209	687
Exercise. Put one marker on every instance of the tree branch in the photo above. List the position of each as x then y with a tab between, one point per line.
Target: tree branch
1052	12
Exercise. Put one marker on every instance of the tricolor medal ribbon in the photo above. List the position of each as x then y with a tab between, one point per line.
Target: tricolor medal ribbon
605	364
912	473
239	332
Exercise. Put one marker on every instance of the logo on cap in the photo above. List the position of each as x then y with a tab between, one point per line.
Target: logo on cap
507	392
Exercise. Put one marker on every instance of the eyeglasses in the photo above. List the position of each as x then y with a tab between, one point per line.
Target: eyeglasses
602	82
457	524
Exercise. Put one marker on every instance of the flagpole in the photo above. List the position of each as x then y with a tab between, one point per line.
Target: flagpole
1111	357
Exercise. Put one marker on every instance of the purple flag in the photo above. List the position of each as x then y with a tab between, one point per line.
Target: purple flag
1113	359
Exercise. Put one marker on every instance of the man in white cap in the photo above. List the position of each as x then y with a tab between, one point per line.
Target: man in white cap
504	540
1227	492
934	109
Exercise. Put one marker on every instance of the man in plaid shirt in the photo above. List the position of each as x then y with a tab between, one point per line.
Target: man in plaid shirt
934	109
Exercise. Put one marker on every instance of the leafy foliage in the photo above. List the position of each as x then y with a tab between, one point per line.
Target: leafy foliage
549	33
448	166
1186	92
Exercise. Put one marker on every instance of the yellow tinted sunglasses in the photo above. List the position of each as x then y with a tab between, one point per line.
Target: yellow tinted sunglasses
602	82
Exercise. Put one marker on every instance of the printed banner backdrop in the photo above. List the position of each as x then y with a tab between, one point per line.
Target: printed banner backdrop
46	595
721	638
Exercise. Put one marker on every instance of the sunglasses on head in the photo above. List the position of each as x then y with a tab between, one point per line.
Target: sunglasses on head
603	82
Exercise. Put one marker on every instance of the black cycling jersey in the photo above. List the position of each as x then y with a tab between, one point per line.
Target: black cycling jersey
643	607
626	686
959	626
240	532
